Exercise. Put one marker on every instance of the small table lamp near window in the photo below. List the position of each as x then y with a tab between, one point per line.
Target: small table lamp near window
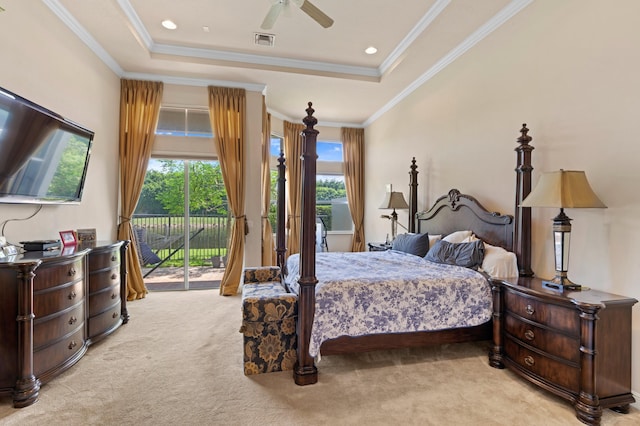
563	189
393	200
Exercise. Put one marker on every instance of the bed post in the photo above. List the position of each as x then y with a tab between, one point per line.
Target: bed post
413	195
522	231
281	248
305	371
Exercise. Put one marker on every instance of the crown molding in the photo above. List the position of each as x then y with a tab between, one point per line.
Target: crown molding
222	57
285	64
420	27
83	35
495	22
198	82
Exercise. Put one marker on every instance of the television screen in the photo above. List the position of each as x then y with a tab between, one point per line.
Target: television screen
43	156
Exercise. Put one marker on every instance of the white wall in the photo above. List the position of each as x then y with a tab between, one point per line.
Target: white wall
63	76
569	70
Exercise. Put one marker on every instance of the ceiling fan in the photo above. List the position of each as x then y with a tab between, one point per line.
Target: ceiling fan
305	5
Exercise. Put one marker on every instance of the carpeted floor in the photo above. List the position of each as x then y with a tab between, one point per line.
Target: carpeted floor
179	362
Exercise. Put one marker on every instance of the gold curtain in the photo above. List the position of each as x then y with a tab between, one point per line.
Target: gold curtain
353	148
227	110
292	152
139	109
268	248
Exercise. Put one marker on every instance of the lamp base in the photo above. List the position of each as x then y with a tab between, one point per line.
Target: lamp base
560	283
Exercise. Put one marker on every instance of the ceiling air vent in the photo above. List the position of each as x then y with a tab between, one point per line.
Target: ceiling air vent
262	39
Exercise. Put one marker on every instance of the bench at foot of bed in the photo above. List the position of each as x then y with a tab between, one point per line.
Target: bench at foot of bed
269	314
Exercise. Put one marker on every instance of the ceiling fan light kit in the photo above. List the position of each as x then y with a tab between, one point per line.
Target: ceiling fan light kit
304	5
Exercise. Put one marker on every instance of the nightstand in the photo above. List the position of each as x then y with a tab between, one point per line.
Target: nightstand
576	344
379	246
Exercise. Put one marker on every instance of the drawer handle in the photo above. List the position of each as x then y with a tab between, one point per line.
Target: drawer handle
72	295
529	361
529	335
115	315
72	320
114	258
72	271
73	344
530	309
114	276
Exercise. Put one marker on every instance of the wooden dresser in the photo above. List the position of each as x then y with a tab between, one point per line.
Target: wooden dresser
574	344
53	305
107	296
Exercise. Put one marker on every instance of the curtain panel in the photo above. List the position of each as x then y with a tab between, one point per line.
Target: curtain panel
293	152
227	112
139	110
268	247
353	148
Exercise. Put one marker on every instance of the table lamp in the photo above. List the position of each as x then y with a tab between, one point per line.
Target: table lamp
563	189
393	200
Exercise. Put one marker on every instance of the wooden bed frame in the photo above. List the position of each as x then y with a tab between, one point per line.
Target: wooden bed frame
452	212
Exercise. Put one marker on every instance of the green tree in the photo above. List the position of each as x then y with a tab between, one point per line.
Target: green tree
149	202
163	190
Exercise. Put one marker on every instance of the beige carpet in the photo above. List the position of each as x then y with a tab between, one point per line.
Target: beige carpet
179	362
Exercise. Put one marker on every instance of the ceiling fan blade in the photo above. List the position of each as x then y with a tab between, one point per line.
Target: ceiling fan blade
316	14
272	15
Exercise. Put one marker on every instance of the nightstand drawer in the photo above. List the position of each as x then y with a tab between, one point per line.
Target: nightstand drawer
555	316
559	373
547	340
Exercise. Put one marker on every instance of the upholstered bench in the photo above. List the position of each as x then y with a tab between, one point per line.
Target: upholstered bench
268	322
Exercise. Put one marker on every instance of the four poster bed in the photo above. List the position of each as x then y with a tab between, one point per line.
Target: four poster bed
402	314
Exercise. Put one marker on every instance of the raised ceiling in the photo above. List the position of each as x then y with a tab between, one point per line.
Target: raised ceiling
214	44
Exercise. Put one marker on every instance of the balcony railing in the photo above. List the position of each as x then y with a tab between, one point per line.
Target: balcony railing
165	235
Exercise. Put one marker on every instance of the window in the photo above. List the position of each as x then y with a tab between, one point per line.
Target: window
331	194
184	122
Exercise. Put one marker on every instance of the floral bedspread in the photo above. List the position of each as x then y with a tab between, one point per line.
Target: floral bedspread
390	292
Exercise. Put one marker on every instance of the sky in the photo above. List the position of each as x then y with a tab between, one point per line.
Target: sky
327	151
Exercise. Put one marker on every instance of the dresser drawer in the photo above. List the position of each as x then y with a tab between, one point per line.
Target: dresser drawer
557	317
104	259
105	321
53	327
58	353
554	371
103	279
547	340
52	300
103	300
57	273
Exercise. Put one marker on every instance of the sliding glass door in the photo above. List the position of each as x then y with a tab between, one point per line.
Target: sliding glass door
182	223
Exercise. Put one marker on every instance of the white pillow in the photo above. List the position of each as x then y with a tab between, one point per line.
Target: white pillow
457	237
499	262
434	239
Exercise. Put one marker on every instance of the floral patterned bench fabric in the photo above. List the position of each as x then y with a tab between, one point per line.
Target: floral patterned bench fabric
268	322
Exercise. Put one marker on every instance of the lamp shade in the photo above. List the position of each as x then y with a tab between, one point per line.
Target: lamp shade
394	200
563	189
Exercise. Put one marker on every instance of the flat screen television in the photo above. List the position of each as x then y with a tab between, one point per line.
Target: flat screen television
43	156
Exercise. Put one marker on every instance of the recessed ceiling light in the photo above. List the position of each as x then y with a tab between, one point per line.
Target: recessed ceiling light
370	50
169	24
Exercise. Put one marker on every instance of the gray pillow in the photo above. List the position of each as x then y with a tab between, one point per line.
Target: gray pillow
417	244
469	255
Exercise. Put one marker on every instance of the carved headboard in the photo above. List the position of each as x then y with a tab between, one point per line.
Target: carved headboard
458	212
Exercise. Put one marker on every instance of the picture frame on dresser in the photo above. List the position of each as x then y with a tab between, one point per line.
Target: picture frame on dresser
68	238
